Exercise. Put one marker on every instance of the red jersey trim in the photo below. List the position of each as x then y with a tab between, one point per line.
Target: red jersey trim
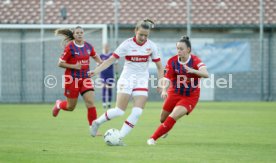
134	39
115	55
156	60
140	89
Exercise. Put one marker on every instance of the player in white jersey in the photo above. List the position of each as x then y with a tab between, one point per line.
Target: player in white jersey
133	81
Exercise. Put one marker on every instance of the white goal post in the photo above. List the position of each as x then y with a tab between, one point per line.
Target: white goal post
55	26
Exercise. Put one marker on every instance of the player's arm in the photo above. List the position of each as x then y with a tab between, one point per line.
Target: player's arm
201	72
160	69
165	83
97	59
116	67
63	64
102	66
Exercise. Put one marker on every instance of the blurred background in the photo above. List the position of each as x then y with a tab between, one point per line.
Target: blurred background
232	37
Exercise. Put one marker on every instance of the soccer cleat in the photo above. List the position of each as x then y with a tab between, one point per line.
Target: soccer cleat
98	134
94	128
151	141
164	136
55	109
121	143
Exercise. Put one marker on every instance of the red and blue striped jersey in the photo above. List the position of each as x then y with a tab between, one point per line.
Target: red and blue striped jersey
74	53
181	82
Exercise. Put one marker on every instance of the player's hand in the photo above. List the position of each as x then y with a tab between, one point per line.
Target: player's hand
164	95
190	70
159	89
91	73
77	66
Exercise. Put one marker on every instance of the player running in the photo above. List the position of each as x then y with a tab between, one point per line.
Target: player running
133	81
75	60
182	75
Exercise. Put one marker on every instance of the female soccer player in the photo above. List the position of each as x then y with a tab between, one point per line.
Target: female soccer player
182	74
134	78
107	78
75	60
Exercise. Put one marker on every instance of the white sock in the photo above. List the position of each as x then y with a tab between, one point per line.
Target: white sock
131	121
110	114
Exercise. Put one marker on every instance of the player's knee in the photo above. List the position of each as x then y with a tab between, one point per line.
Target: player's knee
119	111
89	103
137	111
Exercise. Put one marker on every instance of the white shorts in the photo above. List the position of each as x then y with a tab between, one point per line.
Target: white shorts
133	85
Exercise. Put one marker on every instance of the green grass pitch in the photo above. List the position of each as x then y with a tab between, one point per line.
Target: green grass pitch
214	132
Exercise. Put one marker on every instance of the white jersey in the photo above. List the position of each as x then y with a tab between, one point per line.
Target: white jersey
137	56
134	78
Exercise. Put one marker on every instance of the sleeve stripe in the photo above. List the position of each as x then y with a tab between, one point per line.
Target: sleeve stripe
200	64
116	55
156	60
201	67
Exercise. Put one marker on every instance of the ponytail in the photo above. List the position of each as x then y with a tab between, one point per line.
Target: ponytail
68	34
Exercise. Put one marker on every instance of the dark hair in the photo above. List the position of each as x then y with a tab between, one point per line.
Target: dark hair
146	24
68	34
186	40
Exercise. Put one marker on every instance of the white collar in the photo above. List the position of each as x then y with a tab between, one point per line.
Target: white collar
80	46
184	62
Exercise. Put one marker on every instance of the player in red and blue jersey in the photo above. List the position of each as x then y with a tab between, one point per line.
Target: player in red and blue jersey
107	78
75	60
182	76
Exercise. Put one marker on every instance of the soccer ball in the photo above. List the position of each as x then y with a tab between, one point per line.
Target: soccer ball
112	137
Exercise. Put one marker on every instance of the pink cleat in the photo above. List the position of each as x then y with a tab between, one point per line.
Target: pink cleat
55	109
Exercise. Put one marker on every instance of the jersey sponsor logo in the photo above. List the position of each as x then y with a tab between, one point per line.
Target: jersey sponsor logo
88	51
77	53
84	61
137	58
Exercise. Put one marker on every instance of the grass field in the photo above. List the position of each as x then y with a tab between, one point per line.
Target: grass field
214	132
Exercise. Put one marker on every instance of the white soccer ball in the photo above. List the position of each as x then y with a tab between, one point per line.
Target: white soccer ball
112	137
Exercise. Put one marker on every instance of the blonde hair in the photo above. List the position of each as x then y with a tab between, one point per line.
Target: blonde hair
68	34
146	24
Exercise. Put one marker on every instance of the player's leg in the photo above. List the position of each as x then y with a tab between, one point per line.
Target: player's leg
163	116
109	95
66	105
119	110
138	106
88	98
104	96
71	91
168	124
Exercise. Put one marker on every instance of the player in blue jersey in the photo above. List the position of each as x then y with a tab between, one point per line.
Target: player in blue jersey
107	78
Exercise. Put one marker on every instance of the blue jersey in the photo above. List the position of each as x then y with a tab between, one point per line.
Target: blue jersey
109	72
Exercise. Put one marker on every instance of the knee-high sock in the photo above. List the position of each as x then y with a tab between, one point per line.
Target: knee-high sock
91	115
131	121
62	105
104	94
110	114
164	128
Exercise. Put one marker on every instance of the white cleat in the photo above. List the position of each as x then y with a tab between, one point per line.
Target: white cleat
94	128
151	141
